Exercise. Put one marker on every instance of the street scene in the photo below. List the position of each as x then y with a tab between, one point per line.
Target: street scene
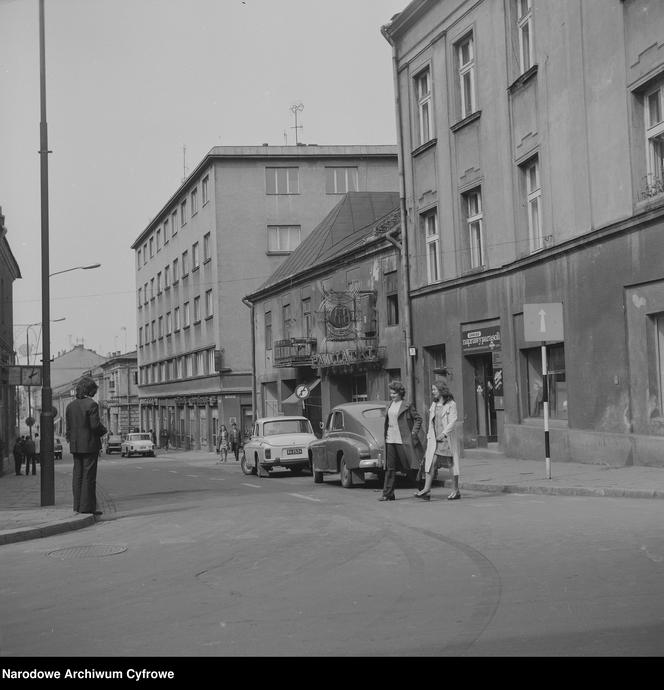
331	329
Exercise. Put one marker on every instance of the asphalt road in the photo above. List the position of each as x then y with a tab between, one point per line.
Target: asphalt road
197	559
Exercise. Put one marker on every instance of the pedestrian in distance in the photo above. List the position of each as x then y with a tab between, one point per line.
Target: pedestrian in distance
30	455
37	441
18	452
222	446
163	439
442	442
403	445
84	433
153	436
235	439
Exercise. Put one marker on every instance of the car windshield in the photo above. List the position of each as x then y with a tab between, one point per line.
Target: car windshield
287	426
374	420
139	437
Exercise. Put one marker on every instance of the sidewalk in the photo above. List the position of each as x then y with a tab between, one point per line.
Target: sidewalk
22	517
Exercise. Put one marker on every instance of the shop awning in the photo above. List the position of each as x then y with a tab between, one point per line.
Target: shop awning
294	397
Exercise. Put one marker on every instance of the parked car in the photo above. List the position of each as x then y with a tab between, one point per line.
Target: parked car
57	447
352	444
113	444
137	444
278	442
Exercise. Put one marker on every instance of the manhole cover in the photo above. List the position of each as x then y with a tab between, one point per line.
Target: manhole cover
92	551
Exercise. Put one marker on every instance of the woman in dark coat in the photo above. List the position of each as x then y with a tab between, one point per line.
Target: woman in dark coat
403	446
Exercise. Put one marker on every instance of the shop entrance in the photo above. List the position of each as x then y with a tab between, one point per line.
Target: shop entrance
485	409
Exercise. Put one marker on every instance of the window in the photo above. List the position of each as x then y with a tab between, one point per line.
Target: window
210	363
208	303
654	111
160	327
167	277
169	323
176	275
140	297
174	224
179	367
341	180
185	263
429	222
206	247
423	93
189	363
162	371
176	319
466	66
140	336
268	330
165	230
159	283
204	189
557	383
195	259
145	293
185	316
145	253
472	202
282	238
151	288
392	297
524	20
151	247
138	260
201	361
194	201
159	239
659	335
533	204
306	317
197	309
286	320
147	332
282	180
153	331
183	212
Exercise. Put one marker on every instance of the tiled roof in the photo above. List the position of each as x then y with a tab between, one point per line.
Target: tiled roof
354	220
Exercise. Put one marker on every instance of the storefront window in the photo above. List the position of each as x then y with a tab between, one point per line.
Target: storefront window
557	381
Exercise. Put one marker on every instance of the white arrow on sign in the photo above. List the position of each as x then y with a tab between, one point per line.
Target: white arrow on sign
542	314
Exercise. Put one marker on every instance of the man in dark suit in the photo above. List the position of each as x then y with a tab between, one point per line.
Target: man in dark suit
84	432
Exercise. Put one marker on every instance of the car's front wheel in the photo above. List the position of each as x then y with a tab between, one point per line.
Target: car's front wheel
245	466
346	475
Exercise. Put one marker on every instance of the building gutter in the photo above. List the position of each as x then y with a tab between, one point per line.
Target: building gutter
403	245
249	304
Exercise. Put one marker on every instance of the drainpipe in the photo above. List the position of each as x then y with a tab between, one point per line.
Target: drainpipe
249	304
403	245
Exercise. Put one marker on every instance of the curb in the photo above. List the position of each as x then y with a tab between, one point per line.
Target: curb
561	490
12	537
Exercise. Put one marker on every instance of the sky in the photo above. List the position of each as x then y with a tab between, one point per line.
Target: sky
137	93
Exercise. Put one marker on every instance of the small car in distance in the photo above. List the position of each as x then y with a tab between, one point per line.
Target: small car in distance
113	444
278	442
57	447
137	444
352	443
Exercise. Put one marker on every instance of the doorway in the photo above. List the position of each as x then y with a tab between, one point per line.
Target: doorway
485	409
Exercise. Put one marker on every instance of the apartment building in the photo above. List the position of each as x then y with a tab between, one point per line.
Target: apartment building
531	137
226	229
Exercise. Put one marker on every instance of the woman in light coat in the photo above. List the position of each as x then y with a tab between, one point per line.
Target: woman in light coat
441	439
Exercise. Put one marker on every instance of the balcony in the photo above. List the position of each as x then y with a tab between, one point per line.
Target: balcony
294	352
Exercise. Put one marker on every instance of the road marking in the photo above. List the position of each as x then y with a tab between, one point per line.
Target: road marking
191	475
173	471
216	479
308	498
255	486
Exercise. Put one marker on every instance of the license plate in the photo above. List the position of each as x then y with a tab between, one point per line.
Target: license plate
293	451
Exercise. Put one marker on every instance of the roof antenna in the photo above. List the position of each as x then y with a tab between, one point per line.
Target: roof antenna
184	162
295	109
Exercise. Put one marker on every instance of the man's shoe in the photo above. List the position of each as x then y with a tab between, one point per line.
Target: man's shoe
454	496
387	498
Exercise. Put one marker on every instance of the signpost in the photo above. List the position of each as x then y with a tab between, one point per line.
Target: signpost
542	322
302	391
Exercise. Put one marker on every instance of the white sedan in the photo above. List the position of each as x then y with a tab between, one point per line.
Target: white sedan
278	442
137	444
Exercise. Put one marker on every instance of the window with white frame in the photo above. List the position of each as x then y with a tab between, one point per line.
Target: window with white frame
204	189
176	319
195	257
429	224
654	114
423	93
197	309
206	247
169	323
282	180
183	212
472	202
465	50
531	174
524	22
341	180
209	307
194	201
185	315
167	276
283	238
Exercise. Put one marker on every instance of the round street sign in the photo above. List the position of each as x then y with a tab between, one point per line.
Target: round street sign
29	421
302	391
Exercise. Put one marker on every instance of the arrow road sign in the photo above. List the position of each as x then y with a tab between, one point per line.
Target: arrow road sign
543	322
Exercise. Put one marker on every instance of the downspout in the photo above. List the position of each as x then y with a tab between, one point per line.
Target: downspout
403	245
249	304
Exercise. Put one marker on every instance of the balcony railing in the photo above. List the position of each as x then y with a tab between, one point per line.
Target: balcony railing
294	352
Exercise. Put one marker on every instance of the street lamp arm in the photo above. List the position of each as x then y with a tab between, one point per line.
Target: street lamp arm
75	268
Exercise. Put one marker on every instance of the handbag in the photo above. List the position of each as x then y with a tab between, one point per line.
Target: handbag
443	447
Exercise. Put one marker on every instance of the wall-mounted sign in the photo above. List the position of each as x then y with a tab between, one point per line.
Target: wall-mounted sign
346	357
483	339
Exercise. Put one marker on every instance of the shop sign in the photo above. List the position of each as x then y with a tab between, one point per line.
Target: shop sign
346	357
149	401
484	339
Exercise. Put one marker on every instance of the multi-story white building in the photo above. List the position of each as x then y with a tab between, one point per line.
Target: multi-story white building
220	236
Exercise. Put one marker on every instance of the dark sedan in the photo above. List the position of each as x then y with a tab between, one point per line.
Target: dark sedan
113	444
352	443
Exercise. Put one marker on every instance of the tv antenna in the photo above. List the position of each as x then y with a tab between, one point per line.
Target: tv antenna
295	109
184	162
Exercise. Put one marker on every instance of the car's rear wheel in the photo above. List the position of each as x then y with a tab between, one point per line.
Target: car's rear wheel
346	475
